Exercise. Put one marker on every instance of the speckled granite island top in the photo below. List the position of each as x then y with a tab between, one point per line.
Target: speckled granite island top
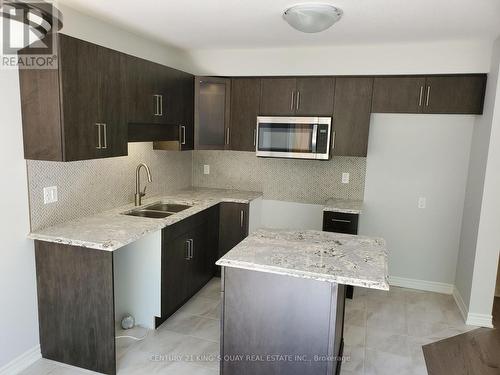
346	206
111	230
324	256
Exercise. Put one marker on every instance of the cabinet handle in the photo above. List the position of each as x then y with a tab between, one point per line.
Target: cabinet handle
255	137
157	104
291	102
105	133
421	96
228	136
99	144
341	221
191	247
298	101
428	96
333	140
183	135
188	250
242	216
161	104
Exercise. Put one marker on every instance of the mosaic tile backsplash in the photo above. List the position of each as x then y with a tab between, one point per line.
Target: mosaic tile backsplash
91	186
293	180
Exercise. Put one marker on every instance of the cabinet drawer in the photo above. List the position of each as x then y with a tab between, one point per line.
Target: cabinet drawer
340	222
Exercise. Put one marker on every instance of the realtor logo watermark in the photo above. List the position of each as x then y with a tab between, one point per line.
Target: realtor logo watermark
24	43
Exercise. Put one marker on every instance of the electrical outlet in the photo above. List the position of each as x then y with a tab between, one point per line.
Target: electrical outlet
49	194
345	178
206	169
422	202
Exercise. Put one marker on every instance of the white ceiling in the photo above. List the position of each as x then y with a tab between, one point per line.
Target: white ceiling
207	24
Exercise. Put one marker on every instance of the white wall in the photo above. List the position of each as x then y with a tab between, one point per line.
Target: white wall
475	185
488	236
407	58
18	311
412	156
90	29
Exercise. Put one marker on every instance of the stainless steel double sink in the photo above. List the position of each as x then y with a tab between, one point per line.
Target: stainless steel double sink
158	210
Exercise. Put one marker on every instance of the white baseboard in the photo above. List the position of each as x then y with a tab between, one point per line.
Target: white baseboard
464	311
430	286
480	320
22	362
471	319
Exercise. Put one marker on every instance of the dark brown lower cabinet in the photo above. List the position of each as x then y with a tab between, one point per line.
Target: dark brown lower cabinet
233	225
340	222
76	305
280	325
189	250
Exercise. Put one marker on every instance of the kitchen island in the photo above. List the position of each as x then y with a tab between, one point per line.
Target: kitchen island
283	296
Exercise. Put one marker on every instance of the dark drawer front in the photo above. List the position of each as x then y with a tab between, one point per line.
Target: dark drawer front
340	222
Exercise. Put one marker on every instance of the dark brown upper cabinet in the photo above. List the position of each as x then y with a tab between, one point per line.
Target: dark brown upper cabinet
278	96
303	96
447	94
351	118
211	115
245	100
314	96
178	109
75	112
461	94
398	94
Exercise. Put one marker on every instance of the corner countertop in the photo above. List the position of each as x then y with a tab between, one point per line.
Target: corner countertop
111	229
324	256
346	206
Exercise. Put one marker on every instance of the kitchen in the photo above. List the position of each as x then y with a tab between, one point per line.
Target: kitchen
227	188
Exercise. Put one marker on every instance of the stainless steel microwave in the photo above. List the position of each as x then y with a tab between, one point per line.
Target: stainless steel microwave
294	137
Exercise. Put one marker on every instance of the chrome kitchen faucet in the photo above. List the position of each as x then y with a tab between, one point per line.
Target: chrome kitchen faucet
138	193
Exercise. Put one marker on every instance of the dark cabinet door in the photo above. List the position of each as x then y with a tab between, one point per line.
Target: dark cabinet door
112	110
398	94
278	96
187	123
141	100
314	96
176	272
78	78
233	225
212	102
461	94
245	101
351	119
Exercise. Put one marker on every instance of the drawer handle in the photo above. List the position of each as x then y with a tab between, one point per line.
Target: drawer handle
340	220
188	250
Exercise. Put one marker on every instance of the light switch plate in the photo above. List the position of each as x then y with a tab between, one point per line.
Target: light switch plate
345	178
206	169
422	202
49	194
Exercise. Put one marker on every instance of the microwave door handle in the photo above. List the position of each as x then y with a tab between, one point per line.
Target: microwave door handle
314	140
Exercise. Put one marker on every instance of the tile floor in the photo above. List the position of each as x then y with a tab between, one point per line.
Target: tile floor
384	332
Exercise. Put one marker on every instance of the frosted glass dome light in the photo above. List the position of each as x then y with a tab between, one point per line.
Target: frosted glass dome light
312	18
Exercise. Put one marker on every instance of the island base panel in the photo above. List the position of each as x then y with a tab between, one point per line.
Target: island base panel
75	305
280	325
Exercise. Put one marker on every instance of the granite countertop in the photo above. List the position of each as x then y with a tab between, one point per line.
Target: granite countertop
111	230
324	256
346	206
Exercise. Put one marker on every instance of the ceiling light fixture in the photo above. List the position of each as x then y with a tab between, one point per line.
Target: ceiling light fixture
40	17
312	18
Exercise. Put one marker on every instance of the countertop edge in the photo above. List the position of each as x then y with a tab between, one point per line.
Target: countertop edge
304	274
